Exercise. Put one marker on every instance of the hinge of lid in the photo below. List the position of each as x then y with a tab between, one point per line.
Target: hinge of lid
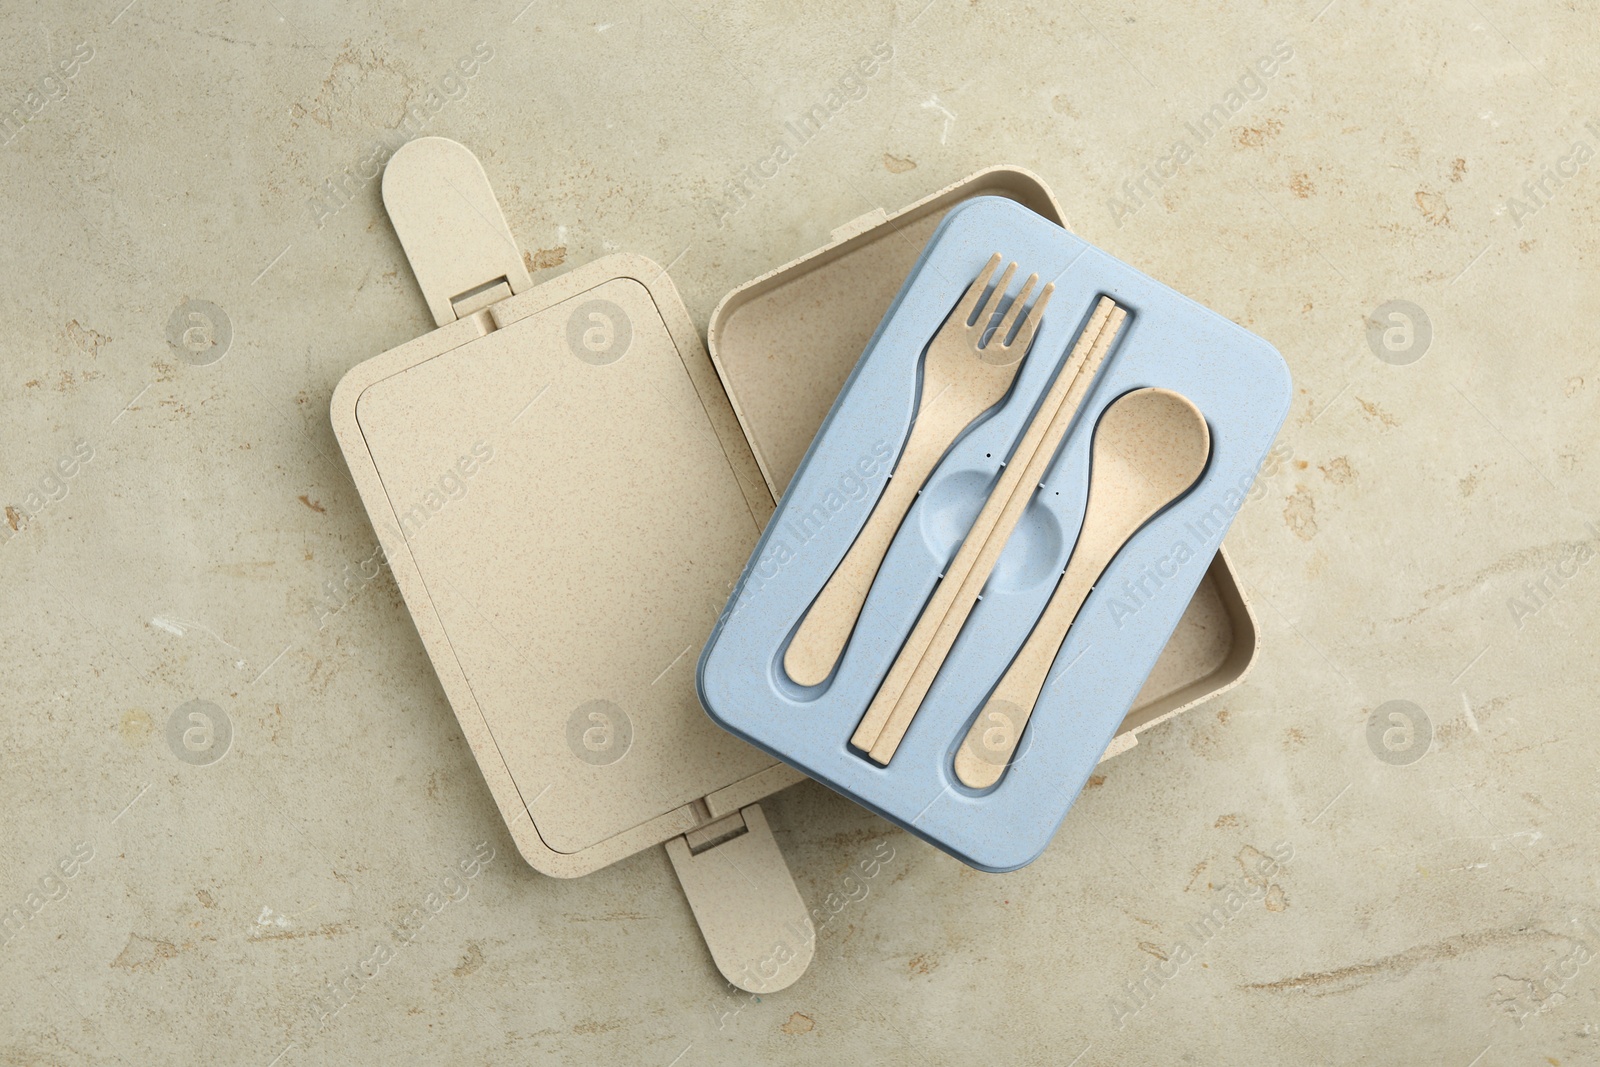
480	298
713	834
451	227
742	895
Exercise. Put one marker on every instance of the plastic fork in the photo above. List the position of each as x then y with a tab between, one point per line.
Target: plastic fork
967	371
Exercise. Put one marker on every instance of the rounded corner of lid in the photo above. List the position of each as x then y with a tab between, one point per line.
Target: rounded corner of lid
700	689
347	393
344	406
535	853
636	266
1288	383
1033	179
1002	863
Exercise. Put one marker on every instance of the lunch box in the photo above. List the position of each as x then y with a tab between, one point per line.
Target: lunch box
568	486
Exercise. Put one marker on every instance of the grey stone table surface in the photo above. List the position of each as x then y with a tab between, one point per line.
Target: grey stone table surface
1402	198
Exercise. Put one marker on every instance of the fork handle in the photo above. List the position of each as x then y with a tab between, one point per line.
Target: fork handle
829	621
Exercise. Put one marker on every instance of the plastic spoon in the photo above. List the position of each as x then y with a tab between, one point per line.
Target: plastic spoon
1150	446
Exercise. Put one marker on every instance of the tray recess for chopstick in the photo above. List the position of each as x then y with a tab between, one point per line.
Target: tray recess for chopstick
1169	341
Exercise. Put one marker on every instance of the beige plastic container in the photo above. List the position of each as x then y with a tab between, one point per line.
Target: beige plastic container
784	344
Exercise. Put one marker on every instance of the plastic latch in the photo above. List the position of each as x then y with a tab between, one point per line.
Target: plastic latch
745	900
876	217
451	227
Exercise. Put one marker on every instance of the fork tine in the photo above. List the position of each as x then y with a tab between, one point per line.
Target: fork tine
969	300
981	323
1002	330
1035	316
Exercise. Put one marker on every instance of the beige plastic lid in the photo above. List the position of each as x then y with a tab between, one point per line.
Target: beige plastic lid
565	500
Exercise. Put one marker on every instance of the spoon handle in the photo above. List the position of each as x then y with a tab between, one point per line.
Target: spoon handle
994	735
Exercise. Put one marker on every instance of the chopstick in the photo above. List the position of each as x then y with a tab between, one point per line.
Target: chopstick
910	677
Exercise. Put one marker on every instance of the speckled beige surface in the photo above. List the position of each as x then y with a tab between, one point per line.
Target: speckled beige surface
180	530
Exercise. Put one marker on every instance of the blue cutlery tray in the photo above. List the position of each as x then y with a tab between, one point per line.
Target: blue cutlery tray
1236	379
